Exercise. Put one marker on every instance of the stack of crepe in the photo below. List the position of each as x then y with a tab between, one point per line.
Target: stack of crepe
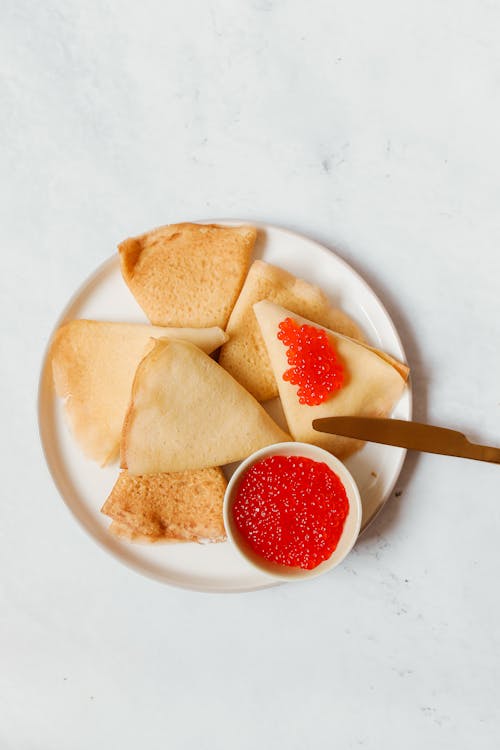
154	395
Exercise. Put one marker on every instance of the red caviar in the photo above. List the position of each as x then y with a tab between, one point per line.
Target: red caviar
316	368
291	510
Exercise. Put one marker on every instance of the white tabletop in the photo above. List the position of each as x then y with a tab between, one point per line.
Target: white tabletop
373	127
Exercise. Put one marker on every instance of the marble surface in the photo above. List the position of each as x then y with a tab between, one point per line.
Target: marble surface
372	127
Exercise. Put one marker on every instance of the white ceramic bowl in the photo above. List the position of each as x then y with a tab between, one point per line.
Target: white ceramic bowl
352	523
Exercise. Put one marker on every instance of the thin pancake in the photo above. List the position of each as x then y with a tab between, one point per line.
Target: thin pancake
182	506
93	366
245	355
187	412
374	382
187	274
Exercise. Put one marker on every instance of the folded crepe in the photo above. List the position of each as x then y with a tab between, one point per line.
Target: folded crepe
374	382
245	355
182	506
187	412
187	274
93	366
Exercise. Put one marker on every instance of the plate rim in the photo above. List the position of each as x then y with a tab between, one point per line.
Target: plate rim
43	374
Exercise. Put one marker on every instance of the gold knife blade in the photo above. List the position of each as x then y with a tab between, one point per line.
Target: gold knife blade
414	436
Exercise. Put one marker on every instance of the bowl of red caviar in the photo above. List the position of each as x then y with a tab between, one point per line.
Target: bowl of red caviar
292	510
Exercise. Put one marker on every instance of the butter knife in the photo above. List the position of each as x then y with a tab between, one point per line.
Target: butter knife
411	435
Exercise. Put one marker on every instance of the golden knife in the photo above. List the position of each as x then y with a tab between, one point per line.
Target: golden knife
411	435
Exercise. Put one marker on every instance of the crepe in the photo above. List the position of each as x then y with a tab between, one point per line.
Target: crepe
181	506
187	412
374	382
245	355
187	274
93	365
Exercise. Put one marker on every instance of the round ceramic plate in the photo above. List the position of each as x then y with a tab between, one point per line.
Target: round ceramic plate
84	485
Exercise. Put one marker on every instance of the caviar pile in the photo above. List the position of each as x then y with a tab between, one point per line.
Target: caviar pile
291	510
315	366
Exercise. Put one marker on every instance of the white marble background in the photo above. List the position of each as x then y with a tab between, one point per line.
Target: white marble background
374	127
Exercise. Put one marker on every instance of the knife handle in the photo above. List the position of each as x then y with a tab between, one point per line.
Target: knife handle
457	444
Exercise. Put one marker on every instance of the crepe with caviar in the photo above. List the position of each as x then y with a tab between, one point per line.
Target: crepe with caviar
371	381
245	355
187	274
180	506
93	366
187	412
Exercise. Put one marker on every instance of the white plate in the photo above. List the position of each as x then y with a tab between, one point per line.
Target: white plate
84	485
